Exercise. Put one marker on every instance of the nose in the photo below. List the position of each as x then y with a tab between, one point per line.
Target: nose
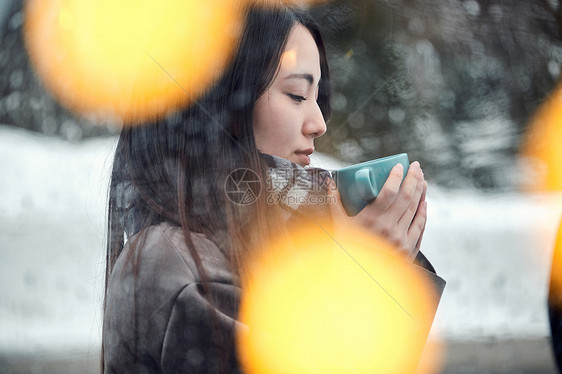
314	124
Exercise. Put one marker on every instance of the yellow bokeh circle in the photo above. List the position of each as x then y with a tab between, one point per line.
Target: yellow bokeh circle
292	3
543	146
130	59
314	305
556	272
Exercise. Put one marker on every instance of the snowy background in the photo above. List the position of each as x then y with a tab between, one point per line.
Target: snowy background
494	250
452	82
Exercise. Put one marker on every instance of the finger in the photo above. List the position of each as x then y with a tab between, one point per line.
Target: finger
417	228
422	200
424	193
389	190
417	247
418	244
406	219
409	193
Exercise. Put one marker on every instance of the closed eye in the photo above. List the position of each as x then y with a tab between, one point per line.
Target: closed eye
297	98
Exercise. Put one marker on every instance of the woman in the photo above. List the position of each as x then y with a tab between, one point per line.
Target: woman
178	243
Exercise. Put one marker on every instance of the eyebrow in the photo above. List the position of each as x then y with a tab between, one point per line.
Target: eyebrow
308	77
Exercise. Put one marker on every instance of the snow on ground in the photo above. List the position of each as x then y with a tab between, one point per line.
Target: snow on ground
493	250
495	253
51	240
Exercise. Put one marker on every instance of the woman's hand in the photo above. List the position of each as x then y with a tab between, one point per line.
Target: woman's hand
398	214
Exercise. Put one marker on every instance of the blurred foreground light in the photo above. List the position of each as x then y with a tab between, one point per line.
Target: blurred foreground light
555	292
130	60
543	146
298	3
313	305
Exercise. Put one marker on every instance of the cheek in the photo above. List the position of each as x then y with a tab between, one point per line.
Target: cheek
272	133
270	119
282	127
276	126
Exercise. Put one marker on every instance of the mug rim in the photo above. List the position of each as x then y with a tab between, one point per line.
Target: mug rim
361	164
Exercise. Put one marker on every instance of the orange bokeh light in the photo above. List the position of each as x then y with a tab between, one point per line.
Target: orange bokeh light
543	148
313	305
556	272
130	59
298	3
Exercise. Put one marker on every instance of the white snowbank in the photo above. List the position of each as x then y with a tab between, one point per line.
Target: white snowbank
51	240
493	250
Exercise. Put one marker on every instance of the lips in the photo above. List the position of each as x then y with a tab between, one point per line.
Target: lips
304	156
307	152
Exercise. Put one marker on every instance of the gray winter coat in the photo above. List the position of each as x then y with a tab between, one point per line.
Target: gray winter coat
157	319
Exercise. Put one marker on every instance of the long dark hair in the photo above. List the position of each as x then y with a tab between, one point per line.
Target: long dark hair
174	170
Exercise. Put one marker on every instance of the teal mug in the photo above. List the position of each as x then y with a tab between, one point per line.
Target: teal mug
360	184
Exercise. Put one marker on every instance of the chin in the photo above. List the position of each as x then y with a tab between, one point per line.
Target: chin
296	160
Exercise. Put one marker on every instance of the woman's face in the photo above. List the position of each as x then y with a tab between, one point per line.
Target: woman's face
287	117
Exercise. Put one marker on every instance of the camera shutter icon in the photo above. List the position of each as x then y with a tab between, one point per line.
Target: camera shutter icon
242	186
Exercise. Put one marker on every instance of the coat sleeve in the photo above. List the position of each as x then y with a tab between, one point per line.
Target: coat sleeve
199	336
436	281
437	284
